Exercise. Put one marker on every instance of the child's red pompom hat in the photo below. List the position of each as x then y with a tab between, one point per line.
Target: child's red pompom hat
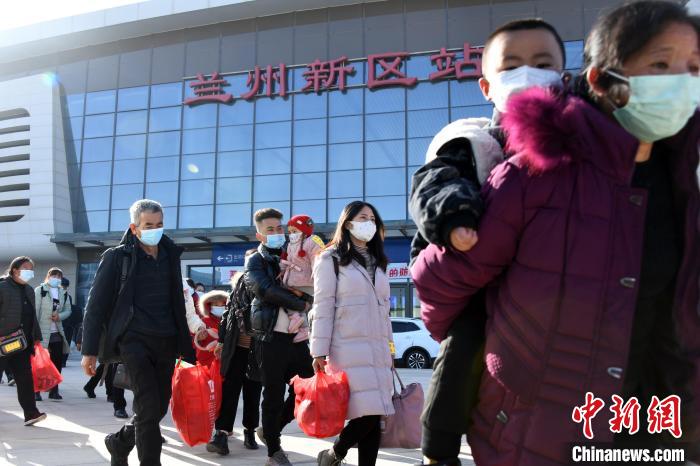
305	224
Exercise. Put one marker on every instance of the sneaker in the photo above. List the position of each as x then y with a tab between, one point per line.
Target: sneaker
448	462
278	459
34	419
249	440
295	322
55	396
301	335
117	458
261	435
90	392
11	382
218	443
121	413
37	397
328	458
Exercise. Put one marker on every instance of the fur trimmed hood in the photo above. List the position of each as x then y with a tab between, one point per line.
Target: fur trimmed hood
206	300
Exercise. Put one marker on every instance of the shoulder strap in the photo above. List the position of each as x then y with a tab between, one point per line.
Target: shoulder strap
43	292
126	262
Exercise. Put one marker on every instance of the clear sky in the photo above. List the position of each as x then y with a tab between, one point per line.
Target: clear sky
23	12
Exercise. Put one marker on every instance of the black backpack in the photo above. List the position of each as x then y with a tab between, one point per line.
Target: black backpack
240	303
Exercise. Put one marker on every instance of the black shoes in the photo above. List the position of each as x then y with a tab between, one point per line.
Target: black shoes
55	396
109	399
117	458
34	419
219	443
249	440
37	397
328	458
121	413
90	392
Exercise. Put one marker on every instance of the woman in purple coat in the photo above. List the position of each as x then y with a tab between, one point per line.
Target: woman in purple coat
591	242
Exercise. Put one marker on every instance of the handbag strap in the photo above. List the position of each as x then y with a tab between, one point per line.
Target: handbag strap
395	378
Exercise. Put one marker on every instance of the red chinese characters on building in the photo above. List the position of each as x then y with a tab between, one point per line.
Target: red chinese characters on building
665	415
326	74
390	74
625	415
267	78
587	412
448	65
208	90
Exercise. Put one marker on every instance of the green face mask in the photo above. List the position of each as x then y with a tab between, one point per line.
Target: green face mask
659	105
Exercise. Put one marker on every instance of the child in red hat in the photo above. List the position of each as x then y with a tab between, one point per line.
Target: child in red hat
297	267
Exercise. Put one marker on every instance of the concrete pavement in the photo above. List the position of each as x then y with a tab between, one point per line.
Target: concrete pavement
74	432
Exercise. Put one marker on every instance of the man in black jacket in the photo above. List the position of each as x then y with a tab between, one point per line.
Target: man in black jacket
281	358
137	306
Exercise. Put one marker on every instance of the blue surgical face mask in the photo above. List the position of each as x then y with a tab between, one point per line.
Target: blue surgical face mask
659	106
26	275
54	282
151	237
275	241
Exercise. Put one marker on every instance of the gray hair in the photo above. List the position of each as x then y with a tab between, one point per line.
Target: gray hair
144	205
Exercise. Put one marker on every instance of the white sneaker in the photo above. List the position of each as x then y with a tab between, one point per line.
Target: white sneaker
278	459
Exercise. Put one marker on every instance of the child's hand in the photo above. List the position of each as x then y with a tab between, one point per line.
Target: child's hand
463	239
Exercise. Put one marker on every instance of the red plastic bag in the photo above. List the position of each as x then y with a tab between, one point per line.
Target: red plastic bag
321	403
44	373
194	403
215	372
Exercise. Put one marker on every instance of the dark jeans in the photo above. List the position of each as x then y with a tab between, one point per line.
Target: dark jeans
20	366
234	382
363	432
282	359
117	394
150	362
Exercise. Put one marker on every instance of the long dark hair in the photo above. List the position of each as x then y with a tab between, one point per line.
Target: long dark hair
343	244
16	263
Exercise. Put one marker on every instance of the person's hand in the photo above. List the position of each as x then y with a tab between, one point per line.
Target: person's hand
54	316
89	364
217	351
463	239
202	333
297	293
319	364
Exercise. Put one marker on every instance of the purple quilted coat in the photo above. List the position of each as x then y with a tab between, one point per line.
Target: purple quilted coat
561	243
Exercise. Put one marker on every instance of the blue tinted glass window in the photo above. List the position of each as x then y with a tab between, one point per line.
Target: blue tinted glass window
309	186
574	54
234	164
350	102
163	95
345	184
97	150
428	95
390	207
314	209
309	159
386	154
100	102
165	193
130	147
97	221
236	138
385	100
75	104
95	198
465	93
162	144
99	125
345	129
239	113
197	192
420	66
234	190
417	149
128	171
199	116
170	218
76	127
195	141
336	206
132	122
119	220
424	123
345	156
96	174
164	119
310	132
73	151
474	111
273	109
133	98
197	166
273	161
197	217
385	181
272	188
281	206
162	169
273	135
310	105
409	177
233	215
385	126
123	196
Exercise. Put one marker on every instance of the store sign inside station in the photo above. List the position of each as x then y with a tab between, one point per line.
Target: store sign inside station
383	70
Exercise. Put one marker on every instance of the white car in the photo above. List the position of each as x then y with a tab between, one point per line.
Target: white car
415	348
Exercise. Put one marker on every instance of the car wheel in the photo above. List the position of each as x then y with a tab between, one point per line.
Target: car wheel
417	358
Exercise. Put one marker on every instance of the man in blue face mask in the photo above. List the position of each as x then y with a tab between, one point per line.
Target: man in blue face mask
280	357
136	303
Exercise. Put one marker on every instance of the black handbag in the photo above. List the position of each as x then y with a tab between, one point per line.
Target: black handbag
121	377
13	343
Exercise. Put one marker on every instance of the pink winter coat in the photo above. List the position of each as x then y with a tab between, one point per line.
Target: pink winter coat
350	325
299	269
561	243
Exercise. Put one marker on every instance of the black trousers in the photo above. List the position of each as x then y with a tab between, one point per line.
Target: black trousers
235	382
56	353
117	394
150	362
68	331
20	366
364	432
282	359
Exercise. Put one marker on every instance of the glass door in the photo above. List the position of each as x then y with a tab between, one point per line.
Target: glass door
399	300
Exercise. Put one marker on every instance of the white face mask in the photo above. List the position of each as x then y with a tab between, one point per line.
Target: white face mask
217	311
364	231
26	275
294	237
509	82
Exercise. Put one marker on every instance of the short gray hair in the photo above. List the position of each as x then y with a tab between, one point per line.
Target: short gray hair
144	205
